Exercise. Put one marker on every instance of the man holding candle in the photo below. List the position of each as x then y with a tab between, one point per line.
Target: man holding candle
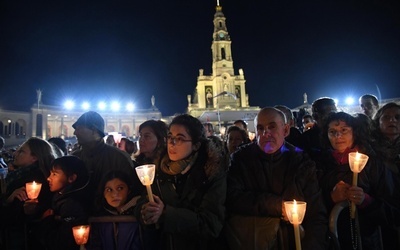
261	177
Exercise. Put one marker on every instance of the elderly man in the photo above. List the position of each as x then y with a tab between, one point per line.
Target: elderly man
99	157
263	175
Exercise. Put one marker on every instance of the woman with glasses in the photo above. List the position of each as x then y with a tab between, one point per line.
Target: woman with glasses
189	190
342	134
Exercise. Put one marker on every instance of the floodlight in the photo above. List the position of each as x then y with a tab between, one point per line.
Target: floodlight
69	104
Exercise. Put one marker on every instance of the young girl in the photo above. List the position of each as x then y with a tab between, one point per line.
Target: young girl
115	227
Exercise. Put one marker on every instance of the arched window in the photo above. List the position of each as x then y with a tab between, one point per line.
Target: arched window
223	53
125	130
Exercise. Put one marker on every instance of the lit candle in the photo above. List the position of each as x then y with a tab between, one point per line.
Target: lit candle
146	176
33	189
81	234
357	162
356	166
295	221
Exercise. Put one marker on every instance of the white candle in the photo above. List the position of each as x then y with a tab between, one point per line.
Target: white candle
81	234
33	189
295	219
356	167
146	180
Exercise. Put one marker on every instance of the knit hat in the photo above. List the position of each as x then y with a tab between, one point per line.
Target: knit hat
91	120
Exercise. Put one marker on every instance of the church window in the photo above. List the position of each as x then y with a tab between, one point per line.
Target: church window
223	53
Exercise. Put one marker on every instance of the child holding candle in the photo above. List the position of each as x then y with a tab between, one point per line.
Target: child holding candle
68	180
115	201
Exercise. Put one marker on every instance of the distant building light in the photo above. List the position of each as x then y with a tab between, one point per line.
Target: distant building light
85	106
115	106
69	104
130	107
102	105
349	100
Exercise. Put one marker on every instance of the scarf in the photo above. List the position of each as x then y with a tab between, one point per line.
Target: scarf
178	167
343	158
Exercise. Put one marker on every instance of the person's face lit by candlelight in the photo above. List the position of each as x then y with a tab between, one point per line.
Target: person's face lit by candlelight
340	135
116	193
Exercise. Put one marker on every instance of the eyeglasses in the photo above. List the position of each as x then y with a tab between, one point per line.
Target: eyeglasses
176	140
341	132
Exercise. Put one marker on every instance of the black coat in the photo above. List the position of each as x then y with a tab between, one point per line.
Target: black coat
71	208
194	203
258	183
376	181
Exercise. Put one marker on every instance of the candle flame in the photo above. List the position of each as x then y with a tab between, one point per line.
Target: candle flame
358	156
294	209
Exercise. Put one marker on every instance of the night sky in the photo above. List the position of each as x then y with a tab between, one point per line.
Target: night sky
131	50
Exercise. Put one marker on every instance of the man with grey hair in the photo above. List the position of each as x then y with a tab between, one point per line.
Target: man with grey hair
263	175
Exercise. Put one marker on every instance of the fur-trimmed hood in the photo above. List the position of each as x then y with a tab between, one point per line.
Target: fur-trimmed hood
216	159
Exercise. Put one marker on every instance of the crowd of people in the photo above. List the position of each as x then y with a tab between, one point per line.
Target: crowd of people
210	192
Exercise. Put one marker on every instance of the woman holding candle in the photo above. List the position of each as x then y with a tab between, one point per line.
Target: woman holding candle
371	195
189	190
33	160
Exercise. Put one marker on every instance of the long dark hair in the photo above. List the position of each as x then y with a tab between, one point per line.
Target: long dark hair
359	136
192	125
160	130
375	121
44	152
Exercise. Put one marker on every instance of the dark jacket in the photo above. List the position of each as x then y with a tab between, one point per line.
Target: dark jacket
258	184
70	208
376	182
14	213
101	159
194	202
113	230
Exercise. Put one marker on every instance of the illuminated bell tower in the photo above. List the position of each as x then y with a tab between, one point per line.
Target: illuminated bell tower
221	46
222	90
